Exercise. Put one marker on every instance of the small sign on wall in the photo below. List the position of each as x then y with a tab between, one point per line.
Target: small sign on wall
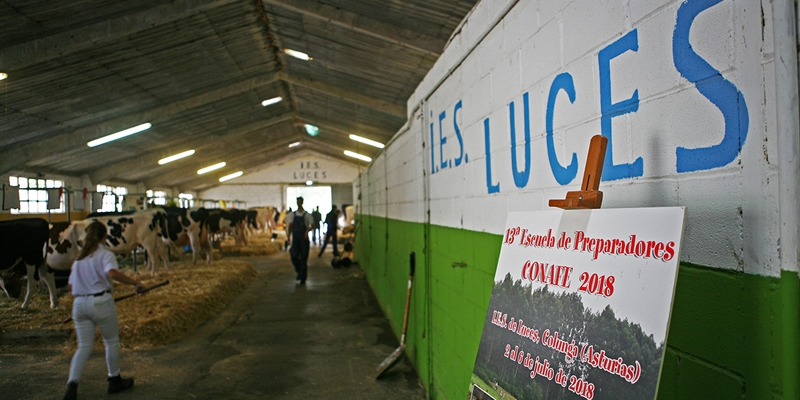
581	304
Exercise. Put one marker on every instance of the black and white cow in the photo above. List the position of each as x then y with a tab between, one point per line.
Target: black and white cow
265	221
22	244
228	221
192	223
125	234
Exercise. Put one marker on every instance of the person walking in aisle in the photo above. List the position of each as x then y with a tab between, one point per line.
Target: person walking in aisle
91	286
300	224
332	221
317	219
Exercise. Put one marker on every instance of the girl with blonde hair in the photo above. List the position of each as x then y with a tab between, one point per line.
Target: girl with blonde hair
91	286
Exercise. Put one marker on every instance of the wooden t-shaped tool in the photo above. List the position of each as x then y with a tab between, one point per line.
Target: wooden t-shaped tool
588	197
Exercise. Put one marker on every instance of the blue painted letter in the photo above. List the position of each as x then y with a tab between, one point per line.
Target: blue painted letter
610	110
458	134
442	141
489	186
563	175
715	88
521	178
433	159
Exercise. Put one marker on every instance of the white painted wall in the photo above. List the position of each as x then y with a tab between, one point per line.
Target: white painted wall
254	194
303	167
657	106
266	186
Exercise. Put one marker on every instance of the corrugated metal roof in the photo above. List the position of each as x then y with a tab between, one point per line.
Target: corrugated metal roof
198	71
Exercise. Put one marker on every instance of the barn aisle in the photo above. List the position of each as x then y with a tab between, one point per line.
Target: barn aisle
276	340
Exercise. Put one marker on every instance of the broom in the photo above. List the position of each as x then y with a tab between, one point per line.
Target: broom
127	296
397	354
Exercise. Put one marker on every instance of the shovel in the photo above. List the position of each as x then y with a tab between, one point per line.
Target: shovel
127	296
397	354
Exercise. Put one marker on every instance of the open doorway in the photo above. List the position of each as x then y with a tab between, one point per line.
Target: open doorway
313	196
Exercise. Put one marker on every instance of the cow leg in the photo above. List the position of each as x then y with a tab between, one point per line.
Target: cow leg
31	271
49	280
3	287
194	241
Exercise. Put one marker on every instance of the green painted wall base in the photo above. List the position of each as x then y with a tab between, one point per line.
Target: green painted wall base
732	335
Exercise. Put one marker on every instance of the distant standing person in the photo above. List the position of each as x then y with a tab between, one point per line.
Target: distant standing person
287	216
317	219
90	283
332	221
300	224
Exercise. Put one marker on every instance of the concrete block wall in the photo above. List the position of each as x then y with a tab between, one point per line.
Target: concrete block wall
254	194
687	93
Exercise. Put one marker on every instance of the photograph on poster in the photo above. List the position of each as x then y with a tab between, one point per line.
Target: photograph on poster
580	305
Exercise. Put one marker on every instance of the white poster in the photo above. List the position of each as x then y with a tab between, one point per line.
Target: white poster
78	201
581	304
97	201
54	198
10	197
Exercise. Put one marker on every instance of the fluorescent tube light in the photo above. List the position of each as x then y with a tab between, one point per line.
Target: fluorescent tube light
358	156
297	54
119	135
271	101
210	168
3	75
367	141
175	157
295	144
231	176
312	130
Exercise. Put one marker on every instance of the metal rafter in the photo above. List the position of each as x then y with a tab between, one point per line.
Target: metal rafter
58	45
378	29
50	147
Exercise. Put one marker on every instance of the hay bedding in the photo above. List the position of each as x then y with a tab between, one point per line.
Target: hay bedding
258	245
161	316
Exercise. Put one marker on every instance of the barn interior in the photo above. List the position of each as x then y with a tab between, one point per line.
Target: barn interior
251	84
432	125
284	97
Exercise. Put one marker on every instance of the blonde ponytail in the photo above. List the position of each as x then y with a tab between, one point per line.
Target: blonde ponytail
95	234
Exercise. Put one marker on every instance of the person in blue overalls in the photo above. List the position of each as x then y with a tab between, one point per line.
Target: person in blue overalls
300	224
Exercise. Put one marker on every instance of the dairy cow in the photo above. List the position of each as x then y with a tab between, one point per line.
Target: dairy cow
192	223
126	232
228	221
22	243
264	219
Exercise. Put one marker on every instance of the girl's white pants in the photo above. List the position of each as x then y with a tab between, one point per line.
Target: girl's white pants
88	312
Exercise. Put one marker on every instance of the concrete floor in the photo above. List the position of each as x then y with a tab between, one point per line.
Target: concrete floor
276	340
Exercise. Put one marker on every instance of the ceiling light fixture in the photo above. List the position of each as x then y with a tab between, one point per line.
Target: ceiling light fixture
367	141
358	156
269	102
295	144
210	168
119	135
175	157
3	75
312	130
297	54
231	176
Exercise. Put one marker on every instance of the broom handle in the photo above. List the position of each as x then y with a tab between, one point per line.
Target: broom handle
127	296
408	297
